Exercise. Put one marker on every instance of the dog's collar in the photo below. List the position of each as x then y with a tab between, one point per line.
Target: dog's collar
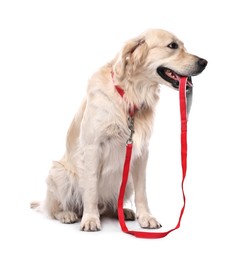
132	107
118	88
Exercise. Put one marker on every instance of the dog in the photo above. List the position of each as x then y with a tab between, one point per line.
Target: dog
85	183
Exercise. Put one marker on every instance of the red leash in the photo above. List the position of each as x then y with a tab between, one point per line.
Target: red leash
129	146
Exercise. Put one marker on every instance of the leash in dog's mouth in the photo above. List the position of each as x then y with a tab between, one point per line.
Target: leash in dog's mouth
173	77
126	168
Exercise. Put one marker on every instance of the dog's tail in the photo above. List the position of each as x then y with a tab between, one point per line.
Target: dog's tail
37	205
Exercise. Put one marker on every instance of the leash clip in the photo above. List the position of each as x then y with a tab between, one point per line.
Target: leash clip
131	128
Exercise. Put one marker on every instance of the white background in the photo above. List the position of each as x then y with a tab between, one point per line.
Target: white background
48	49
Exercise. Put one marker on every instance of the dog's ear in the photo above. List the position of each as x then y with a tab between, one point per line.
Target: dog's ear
132	56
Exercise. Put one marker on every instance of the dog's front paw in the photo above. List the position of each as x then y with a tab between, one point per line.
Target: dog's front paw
148	221
90	223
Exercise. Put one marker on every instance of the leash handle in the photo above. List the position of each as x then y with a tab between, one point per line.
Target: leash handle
129	147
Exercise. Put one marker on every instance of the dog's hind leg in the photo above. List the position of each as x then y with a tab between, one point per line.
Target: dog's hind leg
56	211
113	213
59	202
129	214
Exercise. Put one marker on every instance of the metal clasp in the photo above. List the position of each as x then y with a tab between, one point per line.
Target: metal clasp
131	128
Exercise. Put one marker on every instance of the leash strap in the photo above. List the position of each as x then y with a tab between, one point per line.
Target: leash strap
129	147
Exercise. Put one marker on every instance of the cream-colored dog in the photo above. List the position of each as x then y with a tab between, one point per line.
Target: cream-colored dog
85	182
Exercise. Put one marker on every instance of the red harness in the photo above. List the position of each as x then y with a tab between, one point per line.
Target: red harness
129	146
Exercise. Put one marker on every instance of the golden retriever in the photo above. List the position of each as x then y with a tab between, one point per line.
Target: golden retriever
85	183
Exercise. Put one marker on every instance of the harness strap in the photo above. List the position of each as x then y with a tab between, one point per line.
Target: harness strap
129	147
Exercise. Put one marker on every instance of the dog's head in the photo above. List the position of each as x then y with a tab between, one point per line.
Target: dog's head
159	57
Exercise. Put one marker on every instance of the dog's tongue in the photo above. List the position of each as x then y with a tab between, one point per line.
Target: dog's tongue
177	77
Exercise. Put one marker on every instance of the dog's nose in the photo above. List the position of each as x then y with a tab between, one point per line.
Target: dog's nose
202	63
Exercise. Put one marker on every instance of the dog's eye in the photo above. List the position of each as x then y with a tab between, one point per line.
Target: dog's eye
173	45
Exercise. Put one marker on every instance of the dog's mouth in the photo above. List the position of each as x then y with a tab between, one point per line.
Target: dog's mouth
172	77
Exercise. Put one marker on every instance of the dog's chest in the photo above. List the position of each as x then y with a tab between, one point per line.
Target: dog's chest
113	146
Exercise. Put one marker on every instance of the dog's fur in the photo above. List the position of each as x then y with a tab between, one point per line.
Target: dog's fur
85	182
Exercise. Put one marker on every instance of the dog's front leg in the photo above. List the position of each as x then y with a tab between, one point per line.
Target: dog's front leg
146	220
89	186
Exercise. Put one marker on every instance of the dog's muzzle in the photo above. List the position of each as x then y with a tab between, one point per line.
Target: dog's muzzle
173	77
